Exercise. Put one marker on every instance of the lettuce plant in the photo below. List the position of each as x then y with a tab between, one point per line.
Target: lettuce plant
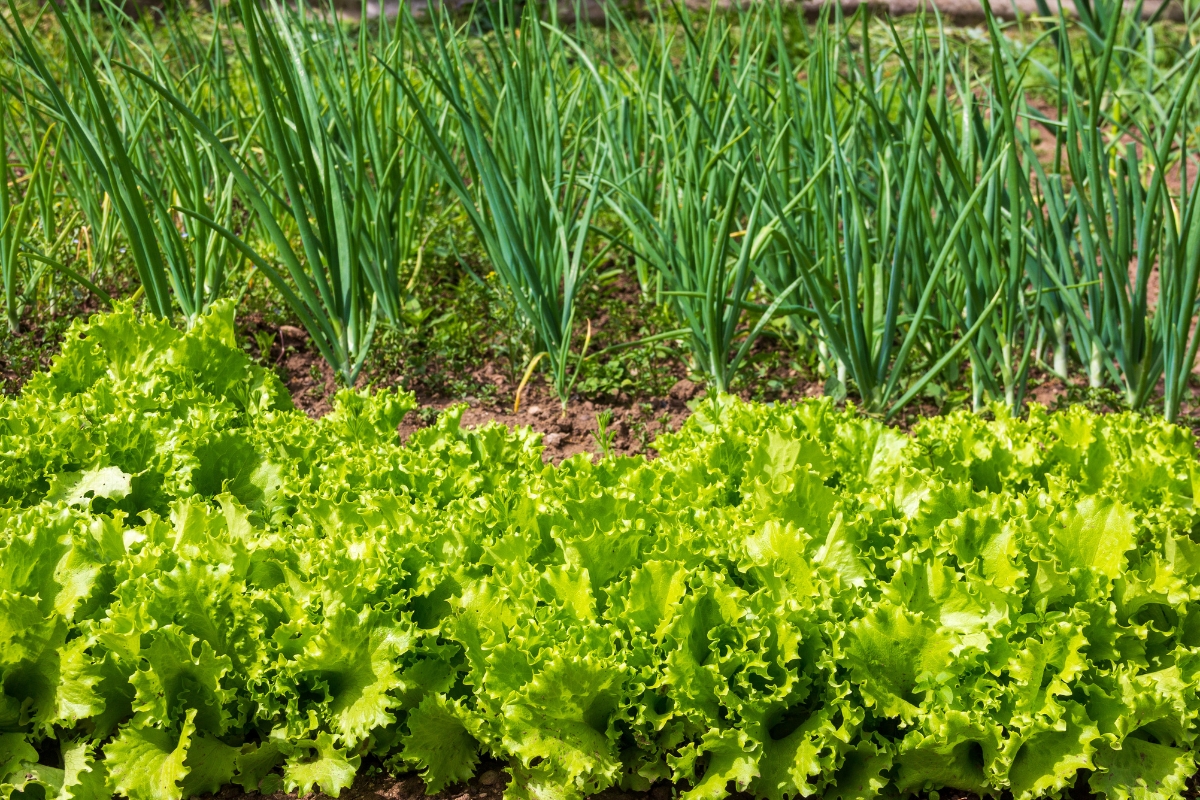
199	585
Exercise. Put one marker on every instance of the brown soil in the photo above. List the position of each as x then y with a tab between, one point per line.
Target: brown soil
307	375
16	369
635	420
567	432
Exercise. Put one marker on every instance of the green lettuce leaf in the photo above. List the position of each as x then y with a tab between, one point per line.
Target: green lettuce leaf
149	763
329	768
1142	770
439	744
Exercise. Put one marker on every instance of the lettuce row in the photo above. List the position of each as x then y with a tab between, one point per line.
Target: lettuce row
201	586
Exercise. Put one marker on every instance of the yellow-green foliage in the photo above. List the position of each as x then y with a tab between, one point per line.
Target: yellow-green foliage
200	585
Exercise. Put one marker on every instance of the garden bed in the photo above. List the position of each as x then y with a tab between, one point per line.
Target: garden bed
703	404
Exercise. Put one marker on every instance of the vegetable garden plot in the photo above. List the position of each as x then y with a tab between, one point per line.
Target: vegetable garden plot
200	586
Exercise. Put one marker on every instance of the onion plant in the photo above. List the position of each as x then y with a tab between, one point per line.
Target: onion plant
998	263
323	187
17	221
190	172
1112	226
376	128
634	141
881	246
96	238
699	231
93	128
172	167
45	184
153	165
526	166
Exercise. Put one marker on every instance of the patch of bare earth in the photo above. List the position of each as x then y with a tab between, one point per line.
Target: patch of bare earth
567	432
633	421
